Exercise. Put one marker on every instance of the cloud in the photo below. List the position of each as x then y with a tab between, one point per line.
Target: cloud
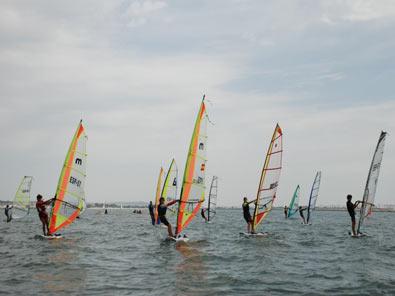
139	11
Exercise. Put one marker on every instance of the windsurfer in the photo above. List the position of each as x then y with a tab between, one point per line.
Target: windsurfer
301	210
162	208
7	212
151	212
286	212
247	215
351	210
202	213
42	212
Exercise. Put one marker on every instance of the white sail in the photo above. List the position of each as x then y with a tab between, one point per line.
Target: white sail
313	195
21	203
212	199
371	182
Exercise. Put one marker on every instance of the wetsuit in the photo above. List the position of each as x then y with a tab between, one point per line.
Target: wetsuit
351	210
162	208
246	212
202	214
7	213
301	213
151	212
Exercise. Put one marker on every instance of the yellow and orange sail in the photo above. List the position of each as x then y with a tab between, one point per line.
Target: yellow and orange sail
269	178
70	194
193	185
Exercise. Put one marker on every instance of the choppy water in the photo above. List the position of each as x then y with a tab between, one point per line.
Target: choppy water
121	254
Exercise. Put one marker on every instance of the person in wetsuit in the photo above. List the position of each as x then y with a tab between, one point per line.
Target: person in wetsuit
7	212
286	212
162	208
301	210
41	207
351	210
247	215
151	212
202	213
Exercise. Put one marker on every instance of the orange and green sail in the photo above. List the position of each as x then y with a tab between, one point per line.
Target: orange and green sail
70	194
157	197
193	185
269	178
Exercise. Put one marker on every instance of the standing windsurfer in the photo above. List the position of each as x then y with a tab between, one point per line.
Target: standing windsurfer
162	208
286	212
202	213
301	210
151	212
247	215
7	210
41	206
351	210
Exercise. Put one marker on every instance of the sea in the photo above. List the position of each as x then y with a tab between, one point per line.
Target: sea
121	253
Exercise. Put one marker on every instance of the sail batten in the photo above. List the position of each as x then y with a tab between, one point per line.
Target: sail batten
194	173
70	194
372	180
270	177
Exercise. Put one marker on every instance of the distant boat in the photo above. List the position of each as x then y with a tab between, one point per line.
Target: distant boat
21	202
371	182
294	204
193	184
70	194
315	188
270	178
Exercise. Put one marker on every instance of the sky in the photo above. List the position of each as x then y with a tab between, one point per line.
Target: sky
135	72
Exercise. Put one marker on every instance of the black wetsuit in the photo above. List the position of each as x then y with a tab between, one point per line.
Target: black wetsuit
7	213
246	212
202	214
301	212
151	212
351	210
162	208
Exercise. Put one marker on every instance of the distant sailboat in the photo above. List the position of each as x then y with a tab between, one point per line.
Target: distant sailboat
21	202
313	196
371	182
269	180
211	210
294	205
70	194
193	185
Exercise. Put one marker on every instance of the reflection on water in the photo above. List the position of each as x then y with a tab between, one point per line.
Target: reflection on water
191	272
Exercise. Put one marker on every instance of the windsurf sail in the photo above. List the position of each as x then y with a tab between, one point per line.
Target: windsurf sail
21	202
293	206
313	196
212	199
270	177
371	182
169	190
70	194
157	197
83	209
192	191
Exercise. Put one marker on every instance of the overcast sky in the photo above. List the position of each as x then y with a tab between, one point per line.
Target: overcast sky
135	71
